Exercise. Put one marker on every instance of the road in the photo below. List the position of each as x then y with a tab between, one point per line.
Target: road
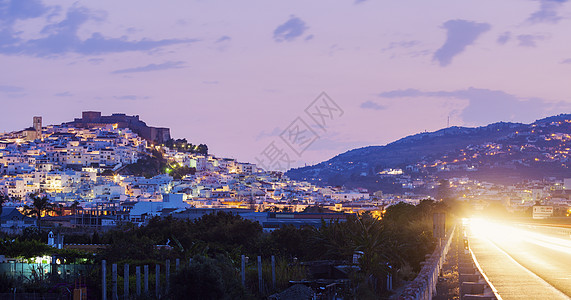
523	261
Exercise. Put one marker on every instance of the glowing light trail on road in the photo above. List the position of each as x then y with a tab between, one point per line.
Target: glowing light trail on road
516	233
523	261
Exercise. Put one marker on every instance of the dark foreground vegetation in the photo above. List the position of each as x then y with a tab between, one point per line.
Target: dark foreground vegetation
395	245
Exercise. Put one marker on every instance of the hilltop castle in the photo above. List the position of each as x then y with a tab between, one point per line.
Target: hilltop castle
91	119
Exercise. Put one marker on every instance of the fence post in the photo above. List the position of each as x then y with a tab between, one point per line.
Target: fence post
146	269
273	272
243	271
260	279
168	273
138	272
104	280
114	280
126	282
157	280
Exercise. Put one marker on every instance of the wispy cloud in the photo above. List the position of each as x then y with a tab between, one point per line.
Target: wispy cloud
62	37
566	61
402	93
264	134
488	106
130	97
152	67
11	89
400	44
372	105
96	61
12	10
548	12
408	48
529	40
290	30
459	35
223	38
64	94
504	38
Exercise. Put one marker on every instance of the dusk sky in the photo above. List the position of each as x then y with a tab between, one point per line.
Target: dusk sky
235	74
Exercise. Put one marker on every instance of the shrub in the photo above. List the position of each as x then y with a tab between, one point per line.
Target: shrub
207	278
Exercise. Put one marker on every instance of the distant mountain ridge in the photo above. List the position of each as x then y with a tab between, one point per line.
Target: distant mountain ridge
515	149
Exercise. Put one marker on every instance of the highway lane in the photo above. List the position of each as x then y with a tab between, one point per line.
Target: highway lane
523	262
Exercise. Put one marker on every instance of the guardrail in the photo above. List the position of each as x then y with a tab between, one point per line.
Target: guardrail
424	285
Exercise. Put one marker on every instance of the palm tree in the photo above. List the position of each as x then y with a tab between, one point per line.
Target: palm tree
363	233
39	206
74	207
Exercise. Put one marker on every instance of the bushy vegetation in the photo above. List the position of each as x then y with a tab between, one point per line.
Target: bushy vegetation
29	248
207	278
147	166
182	145
155	164
395	244
178	172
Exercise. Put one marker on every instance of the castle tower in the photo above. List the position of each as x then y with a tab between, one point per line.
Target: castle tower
38	127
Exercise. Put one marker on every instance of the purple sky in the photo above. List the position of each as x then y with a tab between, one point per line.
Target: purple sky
235	74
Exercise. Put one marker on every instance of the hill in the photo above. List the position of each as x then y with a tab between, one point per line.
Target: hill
500	152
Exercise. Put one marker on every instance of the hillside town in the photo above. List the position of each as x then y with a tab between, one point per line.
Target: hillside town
80	166
115	176
544	142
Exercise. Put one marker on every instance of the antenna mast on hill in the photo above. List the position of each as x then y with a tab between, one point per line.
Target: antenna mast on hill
448	124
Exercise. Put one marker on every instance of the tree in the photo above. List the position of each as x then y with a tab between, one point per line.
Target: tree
23	248
74	207
227	232
292	242
179	172
207	278
410	227
39	206
125	243
202	149
148	166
